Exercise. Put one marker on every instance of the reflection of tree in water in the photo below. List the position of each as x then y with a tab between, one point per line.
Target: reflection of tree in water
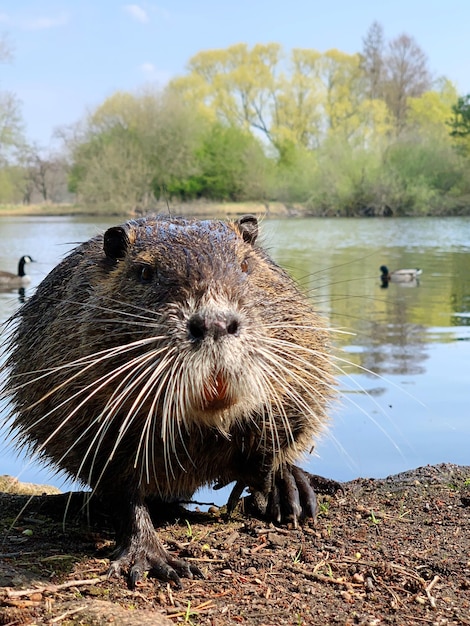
460	304
395	347
460	292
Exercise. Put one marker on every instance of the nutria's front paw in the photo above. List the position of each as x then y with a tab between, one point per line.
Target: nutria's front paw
323	485
289	496
289	499
153	558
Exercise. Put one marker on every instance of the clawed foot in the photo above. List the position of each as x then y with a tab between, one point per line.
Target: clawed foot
136	560
141	551
289	496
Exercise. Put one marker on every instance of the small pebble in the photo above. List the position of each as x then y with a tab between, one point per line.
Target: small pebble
347	597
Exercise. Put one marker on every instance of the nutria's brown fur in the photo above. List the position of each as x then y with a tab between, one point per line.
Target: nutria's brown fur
166	355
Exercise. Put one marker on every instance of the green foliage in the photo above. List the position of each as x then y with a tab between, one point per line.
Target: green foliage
432	162
342	181
12	182
11	122
127	144
343	134
256	124
7	187
401	178
460	123
231	166
294	174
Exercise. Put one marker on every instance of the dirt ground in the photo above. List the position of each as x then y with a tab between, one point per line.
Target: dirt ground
392	551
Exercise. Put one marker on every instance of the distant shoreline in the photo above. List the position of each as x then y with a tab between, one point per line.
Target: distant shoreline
209	209
196	209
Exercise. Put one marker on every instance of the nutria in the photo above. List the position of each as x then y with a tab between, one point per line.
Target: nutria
168	354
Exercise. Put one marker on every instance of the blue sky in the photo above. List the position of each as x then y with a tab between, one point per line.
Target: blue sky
70	55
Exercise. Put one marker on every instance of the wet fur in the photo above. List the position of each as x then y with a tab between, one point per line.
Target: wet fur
110	381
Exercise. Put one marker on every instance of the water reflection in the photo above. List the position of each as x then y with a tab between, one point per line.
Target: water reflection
21	291
390	337
395	346
385	282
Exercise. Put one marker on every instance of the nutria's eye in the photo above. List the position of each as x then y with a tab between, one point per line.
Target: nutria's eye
244	266
146	274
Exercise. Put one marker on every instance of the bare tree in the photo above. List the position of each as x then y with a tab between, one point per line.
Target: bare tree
406	75
130	146
44	176
38	171
6	53
394	71
373	63
11	125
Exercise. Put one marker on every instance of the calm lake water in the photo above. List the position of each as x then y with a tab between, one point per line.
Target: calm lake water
403	353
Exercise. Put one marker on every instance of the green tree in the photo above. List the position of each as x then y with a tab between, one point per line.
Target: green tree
460	121
11	127
429	113
424	170
298	102
231	166
11	130
130	142
343	133
236	85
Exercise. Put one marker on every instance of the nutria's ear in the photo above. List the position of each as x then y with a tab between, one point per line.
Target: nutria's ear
116	242
248	225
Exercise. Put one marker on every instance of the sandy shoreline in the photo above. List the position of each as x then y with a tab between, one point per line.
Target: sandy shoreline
195	209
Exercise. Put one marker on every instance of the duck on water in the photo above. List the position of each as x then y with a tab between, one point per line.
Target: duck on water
399	276
21	279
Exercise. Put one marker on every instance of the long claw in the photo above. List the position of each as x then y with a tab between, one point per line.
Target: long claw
306	493
135	574
292	506
274	506
235	496
289	495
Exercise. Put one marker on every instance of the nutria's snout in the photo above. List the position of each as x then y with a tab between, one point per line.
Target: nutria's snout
214	325
219	392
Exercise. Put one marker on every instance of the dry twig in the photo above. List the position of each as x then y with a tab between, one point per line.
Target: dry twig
12	593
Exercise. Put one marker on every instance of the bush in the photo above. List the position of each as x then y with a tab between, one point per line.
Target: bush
231	165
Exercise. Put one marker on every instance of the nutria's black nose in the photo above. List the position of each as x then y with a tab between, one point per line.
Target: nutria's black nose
212	325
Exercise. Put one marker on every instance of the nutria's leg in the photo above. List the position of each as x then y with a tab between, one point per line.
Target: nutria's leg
288	495
139	550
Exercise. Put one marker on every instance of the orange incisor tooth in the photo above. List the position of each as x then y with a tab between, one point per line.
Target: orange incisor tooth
216	389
